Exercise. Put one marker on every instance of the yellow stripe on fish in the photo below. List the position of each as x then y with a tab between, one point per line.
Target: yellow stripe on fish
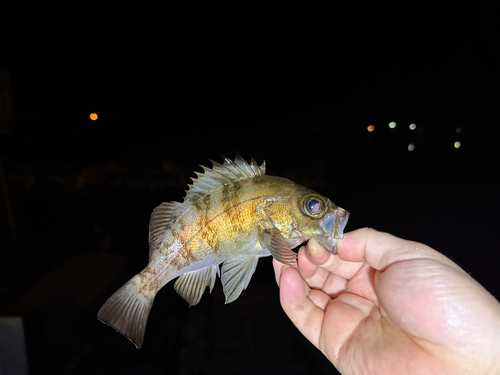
232	214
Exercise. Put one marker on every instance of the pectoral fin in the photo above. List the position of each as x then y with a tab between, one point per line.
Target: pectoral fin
236	274
191	285
278	246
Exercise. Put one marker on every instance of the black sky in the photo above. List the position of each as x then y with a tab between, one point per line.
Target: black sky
294	85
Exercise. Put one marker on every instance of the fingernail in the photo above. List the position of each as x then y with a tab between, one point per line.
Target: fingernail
311	247
281	274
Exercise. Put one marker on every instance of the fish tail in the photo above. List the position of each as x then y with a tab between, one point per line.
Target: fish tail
127	310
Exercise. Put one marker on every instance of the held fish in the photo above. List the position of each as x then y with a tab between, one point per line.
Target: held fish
233	214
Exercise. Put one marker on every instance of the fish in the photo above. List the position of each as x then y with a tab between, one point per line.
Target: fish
232	214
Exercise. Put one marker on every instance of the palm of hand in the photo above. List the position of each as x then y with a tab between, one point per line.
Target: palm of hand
394	317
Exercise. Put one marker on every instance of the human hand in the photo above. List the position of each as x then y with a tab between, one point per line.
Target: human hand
386	305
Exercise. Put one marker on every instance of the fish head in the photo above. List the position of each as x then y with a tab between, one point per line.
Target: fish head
322	220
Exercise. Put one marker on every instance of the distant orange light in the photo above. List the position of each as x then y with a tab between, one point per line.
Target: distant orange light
370	128
93	116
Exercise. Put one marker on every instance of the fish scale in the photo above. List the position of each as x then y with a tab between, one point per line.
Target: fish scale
232	214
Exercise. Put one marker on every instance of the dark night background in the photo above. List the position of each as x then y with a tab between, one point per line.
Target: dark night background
177	85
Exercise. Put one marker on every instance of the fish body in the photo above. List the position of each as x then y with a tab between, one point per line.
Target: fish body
232	214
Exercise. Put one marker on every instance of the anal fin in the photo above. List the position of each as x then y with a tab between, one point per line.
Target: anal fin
236	274
191	285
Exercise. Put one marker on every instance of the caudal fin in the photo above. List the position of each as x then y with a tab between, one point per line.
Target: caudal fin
127	311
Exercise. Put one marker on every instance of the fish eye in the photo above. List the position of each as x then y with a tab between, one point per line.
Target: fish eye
313	205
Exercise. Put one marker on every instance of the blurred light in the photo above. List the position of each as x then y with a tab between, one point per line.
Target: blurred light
371	128
457	145
93	116
392	124
413	126
411	147
458	130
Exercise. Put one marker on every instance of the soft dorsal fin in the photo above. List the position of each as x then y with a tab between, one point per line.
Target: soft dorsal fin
222	174
162	219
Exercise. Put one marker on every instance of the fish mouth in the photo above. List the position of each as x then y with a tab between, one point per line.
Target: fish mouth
333	226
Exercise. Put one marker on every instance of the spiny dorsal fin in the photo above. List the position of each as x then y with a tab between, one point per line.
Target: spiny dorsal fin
222	174
166	214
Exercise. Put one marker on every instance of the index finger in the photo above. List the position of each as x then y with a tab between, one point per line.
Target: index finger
380	249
